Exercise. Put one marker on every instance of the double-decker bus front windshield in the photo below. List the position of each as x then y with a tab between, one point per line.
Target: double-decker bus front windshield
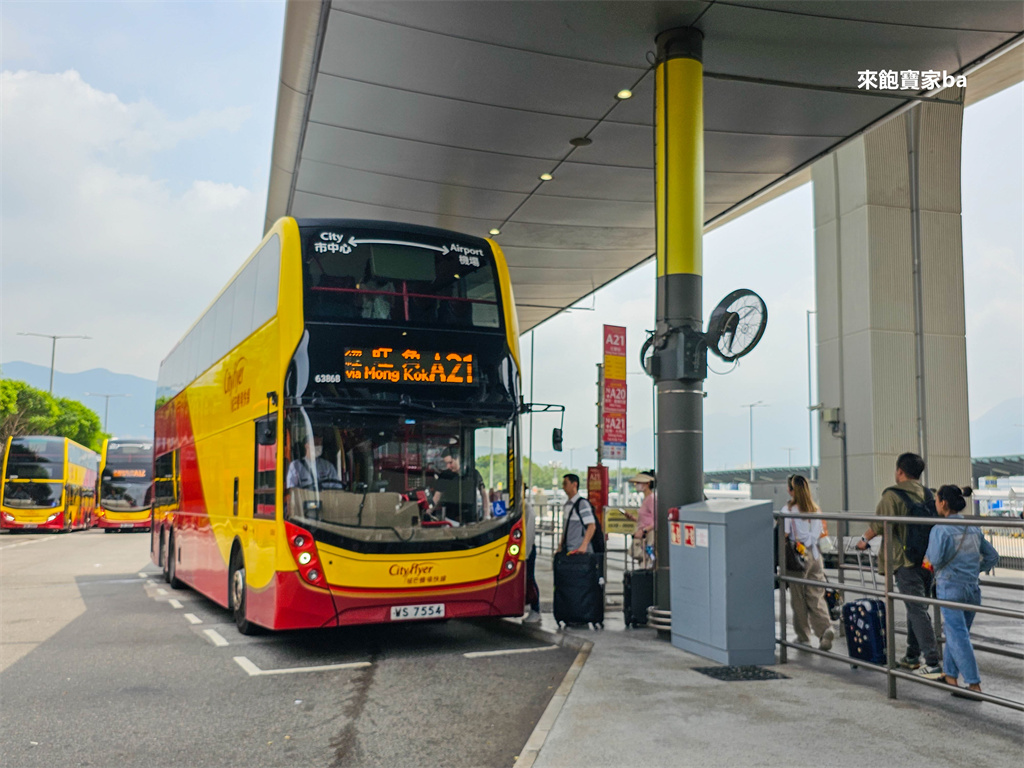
389	478
127	476
37	464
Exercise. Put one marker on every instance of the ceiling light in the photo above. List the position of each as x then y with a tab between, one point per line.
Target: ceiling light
624	94
495	232
545	177
581	141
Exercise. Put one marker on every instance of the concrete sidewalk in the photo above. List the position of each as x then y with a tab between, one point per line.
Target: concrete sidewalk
638	701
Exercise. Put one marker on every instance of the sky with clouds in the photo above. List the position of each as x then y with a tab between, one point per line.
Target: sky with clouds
135	143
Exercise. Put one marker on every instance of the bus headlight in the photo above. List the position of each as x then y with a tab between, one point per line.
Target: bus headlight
52	517
513	550
304	558
312	574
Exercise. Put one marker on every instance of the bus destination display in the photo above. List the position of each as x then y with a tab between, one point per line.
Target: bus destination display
407	366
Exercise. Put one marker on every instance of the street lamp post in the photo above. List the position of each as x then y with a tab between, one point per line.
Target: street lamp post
789	455
53	350
106	405
752	406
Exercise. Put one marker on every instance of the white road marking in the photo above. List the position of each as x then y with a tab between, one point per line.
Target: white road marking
215	637
509	652
142	575
161	591
255	671
193	619
26	543
174	603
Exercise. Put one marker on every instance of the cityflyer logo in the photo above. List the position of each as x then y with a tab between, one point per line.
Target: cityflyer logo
233	378
908	80
413	569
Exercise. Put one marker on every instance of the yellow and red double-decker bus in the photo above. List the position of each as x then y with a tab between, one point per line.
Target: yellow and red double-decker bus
126	485
49	483
317	432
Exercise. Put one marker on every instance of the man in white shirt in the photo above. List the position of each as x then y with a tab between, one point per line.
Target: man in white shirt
580	522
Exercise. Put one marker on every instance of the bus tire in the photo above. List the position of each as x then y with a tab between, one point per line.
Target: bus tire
237	593
172	565
163	556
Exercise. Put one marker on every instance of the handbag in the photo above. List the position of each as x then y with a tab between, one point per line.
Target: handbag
795	562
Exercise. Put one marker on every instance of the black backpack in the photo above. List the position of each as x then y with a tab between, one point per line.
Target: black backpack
915	538
597	540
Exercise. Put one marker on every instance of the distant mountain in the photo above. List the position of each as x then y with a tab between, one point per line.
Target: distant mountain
128	417
1000	430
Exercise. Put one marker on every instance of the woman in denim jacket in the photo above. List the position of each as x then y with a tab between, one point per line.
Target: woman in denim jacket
958	554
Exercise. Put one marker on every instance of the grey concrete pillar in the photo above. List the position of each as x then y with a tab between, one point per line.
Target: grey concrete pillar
891	336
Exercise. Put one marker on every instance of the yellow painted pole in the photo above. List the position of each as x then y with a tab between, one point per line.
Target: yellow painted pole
679	362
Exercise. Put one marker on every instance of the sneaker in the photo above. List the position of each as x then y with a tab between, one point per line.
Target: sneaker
909	663
931	672
533	617
825	644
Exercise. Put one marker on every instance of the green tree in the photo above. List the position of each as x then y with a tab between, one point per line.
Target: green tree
79	423
25	410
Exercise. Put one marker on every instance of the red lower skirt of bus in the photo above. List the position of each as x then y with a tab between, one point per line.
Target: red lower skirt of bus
100	521
288	603
56	524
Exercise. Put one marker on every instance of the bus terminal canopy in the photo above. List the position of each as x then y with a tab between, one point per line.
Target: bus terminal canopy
447	113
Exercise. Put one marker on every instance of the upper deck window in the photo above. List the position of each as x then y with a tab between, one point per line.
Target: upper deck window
36	458
394	278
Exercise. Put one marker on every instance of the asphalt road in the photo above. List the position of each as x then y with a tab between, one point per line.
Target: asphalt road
104	665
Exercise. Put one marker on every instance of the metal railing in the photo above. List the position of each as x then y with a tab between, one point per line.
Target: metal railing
889	595
1009	545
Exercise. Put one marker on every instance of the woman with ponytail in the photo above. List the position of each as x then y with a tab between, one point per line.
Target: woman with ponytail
809	608
958	554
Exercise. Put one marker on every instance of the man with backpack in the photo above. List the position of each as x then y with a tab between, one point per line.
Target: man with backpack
908	498
580	523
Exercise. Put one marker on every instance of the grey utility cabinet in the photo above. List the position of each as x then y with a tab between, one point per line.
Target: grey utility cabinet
722	581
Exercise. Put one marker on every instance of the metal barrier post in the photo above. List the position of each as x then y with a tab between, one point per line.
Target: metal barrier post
890	611
782	591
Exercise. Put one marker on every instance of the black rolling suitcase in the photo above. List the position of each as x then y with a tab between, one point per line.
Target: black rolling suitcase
579	588
637	596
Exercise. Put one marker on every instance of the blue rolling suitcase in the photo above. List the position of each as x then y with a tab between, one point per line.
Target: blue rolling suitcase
864	622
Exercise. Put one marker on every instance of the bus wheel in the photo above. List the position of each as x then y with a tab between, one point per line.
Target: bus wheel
237	593
172	565
163	556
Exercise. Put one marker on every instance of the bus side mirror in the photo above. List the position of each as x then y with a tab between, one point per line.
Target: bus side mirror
266	434
556	439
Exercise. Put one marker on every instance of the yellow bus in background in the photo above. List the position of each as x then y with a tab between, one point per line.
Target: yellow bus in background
49	483
126	485
317	430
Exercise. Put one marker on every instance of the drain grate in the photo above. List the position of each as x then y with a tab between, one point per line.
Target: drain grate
735	674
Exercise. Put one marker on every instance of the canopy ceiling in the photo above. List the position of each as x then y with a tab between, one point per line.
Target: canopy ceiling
446	113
